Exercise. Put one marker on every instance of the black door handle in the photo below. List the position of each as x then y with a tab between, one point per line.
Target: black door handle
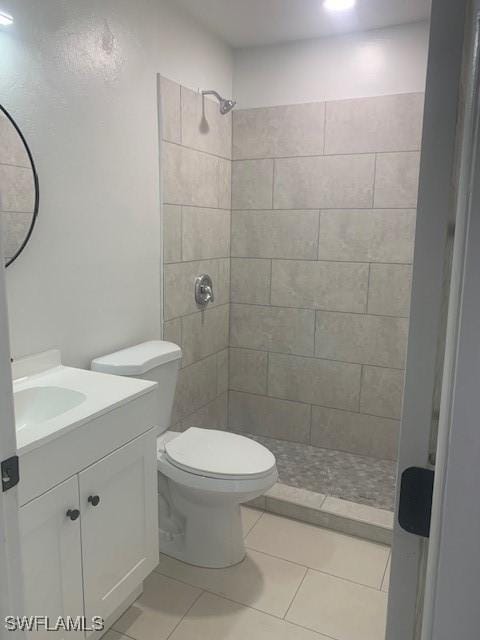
94	500
73	514
415	503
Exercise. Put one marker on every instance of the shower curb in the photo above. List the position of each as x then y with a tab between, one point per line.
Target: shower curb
329	512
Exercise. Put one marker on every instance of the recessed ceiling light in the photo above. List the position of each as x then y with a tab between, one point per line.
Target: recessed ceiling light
338	5
5	19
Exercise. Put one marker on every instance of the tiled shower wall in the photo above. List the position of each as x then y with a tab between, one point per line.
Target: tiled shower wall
196	168
323	219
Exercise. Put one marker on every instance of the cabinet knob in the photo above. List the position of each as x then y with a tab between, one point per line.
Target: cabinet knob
73	514
94	500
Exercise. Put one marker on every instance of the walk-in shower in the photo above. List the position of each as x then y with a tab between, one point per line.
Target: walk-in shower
303	215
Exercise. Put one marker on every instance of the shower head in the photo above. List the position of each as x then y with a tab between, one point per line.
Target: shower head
225	104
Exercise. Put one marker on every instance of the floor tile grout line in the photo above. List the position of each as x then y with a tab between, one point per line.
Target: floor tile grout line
245	534
218	595
389	559
296	593
185	614
320	634
325	573
270	555
246	606
122	633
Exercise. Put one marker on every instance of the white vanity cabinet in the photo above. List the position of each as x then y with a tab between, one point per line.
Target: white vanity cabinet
120	533
51	555
89	542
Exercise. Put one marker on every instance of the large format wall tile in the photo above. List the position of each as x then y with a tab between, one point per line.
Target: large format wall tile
196	387
172	233
203	126
273	132
171	114
383	235
275	234
204	333
179	284
196	230
172	331
192	177
205	233
389	289
222	369
272	329
387	123
382	392
376	340
224	179
336	286
269	417
354	432
250	280
323	382
252	184
214	415
324	182
396	180
248	370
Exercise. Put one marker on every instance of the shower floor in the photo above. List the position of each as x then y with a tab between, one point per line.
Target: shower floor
334	473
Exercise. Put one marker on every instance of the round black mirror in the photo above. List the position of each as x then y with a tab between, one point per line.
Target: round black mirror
19	193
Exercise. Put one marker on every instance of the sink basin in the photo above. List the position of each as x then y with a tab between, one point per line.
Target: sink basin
38	404
51	399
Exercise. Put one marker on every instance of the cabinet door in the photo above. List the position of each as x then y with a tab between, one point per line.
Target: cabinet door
118	497
51	556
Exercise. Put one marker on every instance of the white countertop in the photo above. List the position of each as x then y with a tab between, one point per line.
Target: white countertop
103	394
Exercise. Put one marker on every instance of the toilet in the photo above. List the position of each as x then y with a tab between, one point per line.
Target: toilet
204	475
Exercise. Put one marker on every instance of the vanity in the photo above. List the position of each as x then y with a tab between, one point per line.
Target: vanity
88	488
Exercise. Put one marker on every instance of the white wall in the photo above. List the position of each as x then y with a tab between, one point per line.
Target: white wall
372	63
80	79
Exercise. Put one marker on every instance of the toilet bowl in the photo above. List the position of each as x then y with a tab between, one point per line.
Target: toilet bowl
204	475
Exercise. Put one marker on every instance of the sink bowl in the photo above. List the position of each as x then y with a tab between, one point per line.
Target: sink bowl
38	404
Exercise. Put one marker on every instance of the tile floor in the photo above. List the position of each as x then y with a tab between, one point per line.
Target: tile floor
298	582
360	479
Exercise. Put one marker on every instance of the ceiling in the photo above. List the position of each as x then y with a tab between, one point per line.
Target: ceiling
245	23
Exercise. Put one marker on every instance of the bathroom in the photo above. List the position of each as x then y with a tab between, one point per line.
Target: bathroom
221	198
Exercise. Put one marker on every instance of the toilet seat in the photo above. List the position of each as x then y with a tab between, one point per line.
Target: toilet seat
219	455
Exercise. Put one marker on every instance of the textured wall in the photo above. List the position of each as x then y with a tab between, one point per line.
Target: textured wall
80	80
323	220
196	161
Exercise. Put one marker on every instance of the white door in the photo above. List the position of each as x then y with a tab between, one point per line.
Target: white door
51	554
11	594
118	501
444	184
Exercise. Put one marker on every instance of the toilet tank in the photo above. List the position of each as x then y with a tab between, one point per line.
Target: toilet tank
155	360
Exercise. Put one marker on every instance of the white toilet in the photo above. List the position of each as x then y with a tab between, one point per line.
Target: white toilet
204	475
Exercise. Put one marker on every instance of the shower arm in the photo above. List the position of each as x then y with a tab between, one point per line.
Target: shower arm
211	92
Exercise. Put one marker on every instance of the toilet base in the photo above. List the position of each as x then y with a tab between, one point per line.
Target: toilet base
211	537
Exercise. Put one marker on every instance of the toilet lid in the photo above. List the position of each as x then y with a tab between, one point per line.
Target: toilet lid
219	454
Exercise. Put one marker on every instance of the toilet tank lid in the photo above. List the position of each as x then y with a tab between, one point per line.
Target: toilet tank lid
139	359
